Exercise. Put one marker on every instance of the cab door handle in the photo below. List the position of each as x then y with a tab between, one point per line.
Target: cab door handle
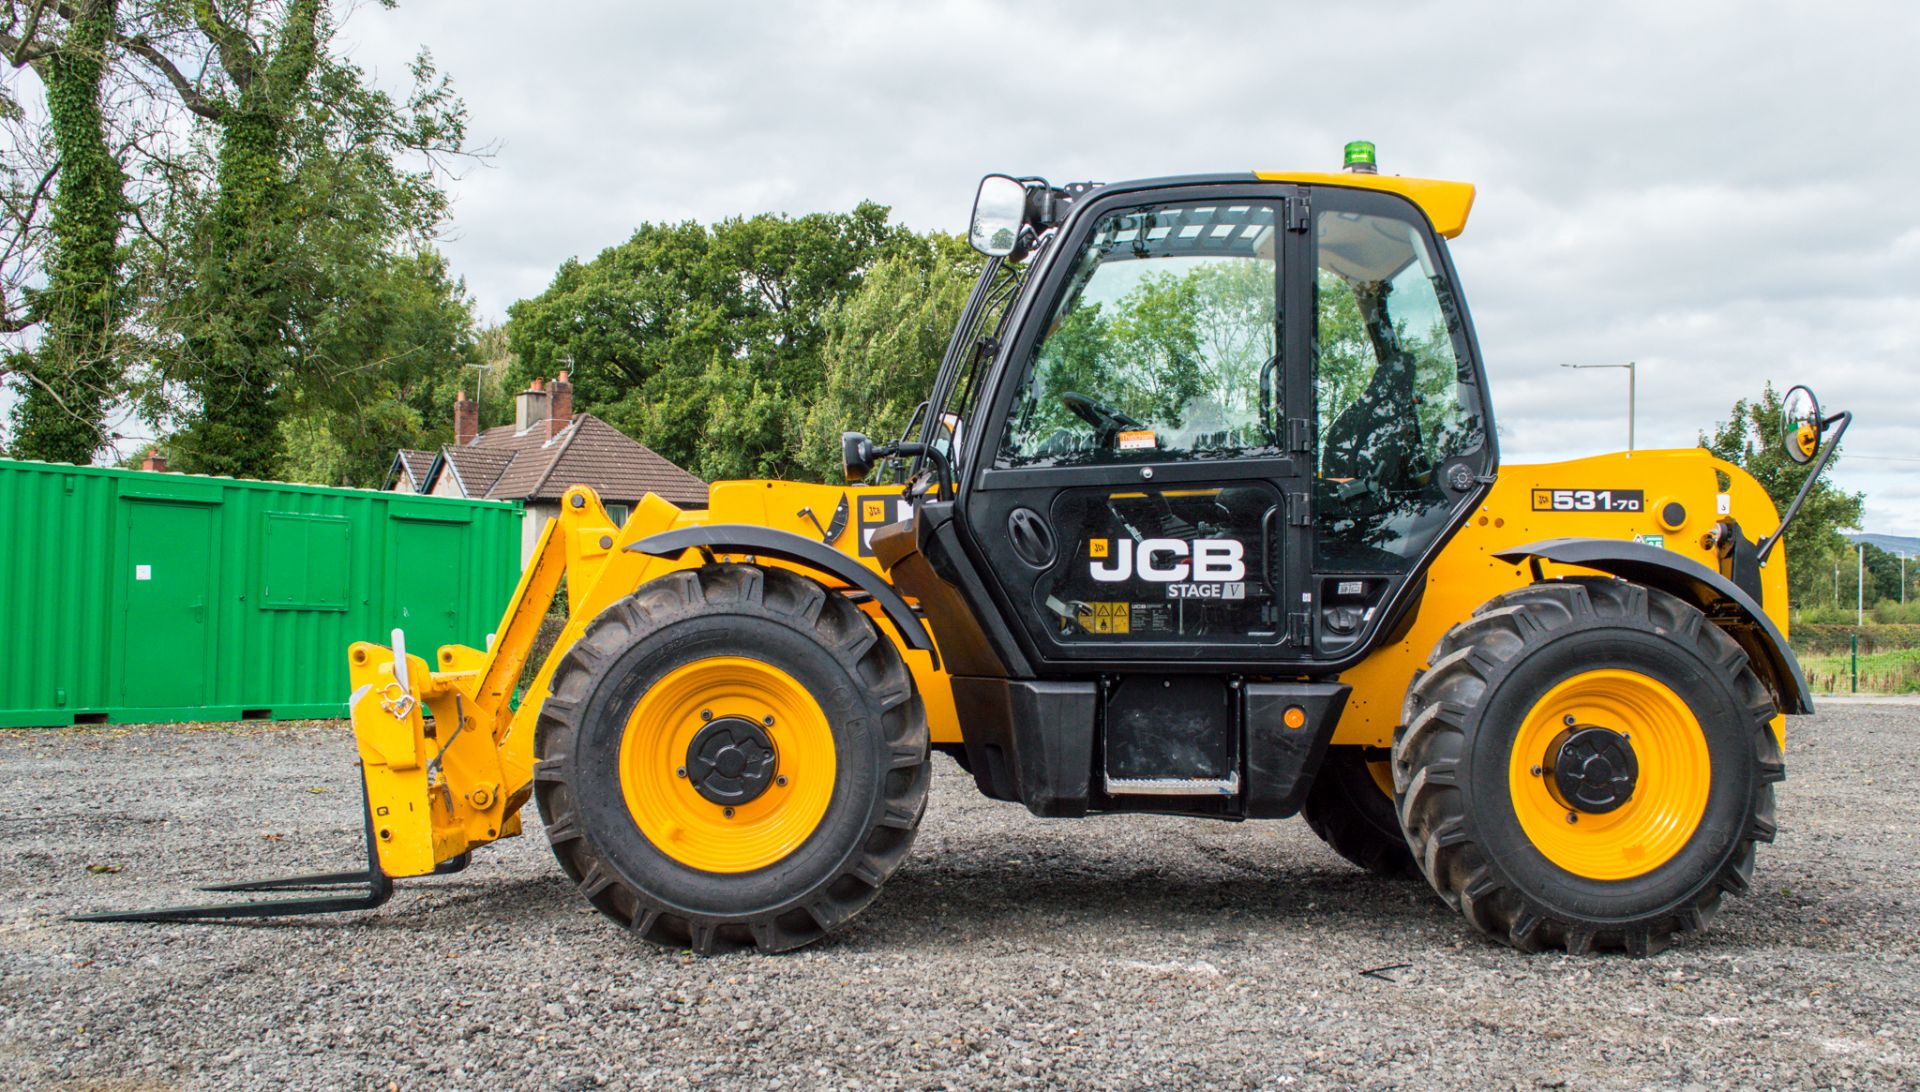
1032	540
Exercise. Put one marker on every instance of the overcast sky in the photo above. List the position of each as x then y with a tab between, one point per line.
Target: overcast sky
1721	192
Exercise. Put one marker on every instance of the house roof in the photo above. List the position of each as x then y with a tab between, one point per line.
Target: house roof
502	464
414	464
477	468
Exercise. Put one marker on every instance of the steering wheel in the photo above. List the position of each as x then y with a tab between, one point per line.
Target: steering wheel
1106	420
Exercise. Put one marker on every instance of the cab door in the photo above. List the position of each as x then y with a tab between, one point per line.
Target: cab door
1139	491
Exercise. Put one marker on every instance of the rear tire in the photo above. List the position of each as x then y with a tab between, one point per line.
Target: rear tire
1355	815
833	812
1474	799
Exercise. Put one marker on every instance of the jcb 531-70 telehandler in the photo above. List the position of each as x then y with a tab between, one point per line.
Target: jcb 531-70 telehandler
1202	516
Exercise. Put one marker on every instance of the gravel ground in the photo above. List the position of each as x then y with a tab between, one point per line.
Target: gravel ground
1009	952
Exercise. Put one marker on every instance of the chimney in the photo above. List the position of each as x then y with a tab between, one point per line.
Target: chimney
529	407
466	420
155	462
559	405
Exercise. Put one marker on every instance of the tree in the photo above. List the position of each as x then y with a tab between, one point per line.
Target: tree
271	263
1751	439
883	346
71	374
705	343
416	339
636	328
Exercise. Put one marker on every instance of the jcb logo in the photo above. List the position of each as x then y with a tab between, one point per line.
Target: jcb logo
1167	560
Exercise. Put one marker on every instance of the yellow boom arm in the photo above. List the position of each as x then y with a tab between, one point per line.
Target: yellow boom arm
438	786
447	754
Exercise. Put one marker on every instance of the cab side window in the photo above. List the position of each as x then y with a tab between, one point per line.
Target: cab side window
1163	344
1394	393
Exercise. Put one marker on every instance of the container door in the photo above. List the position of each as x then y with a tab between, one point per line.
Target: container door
429	574
169	601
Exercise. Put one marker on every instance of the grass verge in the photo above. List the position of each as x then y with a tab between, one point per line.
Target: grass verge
1893	672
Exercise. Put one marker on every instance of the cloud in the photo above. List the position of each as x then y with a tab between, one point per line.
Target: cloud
1715	190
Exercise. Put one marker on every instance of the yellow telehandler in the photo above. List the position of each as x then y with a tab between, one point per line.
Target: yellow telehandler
1202	516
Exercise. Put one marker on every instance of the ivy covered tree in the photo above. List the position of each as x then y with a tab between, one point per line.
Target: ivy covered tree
71	374
290	227
1751	439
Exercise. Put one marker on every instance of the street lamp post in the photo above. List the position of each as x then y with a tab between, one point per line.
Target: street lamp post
1860	589
479	382
1633	371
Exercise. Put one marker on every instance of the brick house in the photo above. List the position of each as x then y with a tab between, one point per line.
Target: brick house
547	449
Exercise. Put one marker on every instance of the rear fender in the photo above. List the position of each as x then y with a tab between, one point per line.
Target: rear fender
1729	607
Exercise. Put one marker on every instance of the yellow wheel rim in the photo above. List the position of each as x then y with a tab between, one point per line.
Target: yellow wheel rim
1669	797
670	811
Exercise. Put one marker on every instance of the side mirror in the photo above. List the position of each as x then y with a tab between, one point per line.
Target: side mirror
856	455
1802	426
999	215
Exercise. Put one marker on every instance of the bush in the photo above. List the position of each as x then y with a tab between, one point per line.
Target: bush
1895	613
1814	639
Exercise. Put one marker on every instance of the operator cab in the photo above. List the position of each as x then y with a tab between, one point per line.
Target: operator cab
1150	454
1190	435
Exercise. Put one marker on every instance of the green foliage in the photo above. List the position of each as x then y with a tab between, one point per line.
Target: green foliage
72	374
1751	439
1882	575
884	344
1892	612
413	332
236	238
706	343
1837	590
295	276
1822	632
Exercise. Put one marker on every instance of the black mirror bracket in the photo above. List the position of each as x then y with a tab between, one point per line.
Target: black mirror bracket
1827	448
858	454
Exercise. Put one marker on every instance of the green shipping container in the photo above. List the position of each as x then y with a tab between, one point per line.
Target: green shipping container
130	596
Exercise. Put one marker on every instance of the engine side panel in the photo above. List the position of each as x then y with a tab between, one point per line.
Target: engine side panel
1619	496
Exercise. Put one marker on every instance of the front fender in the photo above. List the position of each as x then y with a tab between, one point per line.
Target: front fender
741	538
1732	609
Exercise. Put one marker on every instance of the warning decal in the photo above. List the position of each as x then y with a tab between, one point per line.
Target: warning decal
1105	618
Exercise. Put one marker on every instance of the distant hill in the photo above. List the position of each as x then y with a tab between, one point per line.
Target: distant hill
1893	544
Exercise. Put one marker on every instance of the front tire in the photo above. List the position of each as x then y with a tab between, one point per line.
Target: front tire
1538	842
731	756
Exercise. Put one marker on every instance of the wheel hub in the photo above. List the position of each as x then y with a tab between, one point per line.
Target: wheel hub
1592	769
731	761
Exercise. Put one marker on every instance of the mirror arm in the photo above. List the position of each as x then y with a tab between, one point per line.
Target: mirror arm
1845	418
942	469
859	455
